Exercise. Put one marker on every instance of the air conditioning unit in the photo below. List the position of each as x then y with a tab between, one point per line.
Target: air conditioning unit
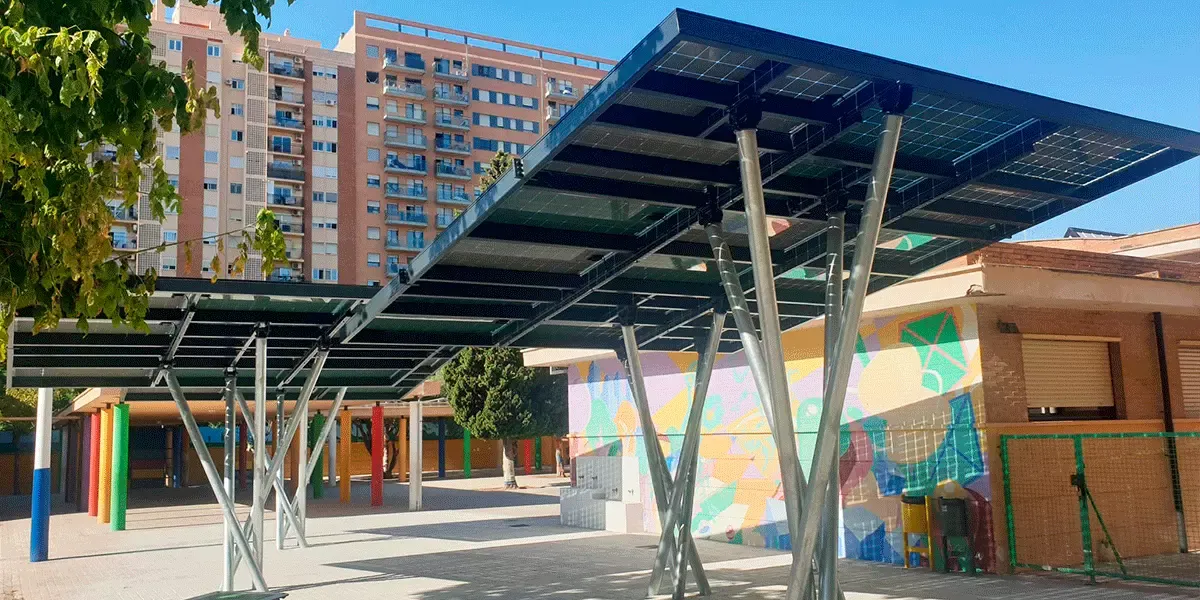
331	102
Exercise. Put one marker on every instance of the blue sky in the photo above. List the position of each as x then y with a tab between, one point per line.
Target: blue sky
1141	59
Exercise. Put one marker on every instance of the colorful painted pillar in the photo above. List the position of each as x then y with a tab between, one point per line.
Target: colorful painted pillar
177	457
466	453
317	480
441	424
527	455
243	434
120	467
377	455
104	505
402	447
537	453
94	464
39	523
344	465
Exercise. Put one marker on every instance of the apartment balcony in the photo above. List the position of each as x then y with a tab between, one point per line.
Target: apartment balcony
554	113
404	217
124	245
459	198
444	221
411	117
289	277
296	148
444	70
450	97
286	123
449	146
294	255
405	65
410	167
285	200
286	70
560	92
291	228
396	140
450	171
406	192
405	245
289	172
406	90
452	122
286	96
122	213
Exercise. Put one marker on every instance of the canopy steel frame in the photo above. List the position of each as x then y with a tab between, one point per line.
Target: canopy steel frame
228	568
835	244
296	505
660	474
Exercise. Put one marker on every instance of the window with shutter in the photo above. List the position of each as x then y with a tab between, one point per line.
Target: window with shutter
1067	374
1189	374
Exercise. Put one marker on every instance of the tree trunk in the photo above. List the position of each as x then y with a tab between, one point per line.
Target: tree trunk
510	467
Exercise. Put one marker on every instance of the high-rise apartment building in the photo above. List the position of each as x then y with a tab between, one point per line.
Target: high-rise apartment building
363	152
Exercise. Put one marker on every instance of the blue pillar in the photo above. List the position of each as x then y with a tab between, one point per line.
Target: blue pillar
39	534
441	448
177	457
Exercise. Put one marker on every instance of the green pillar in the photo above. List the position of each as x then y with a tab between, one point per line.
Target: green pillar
537	453
120	467
317	480
466	453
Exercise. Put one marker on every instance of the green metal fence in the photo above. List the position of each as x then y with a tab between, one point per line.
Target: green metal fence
1123	505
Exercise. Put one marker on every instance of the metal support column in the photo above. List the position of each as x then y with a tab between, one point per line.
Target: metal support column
677	528
804	544
302	473
835	245
745	118
415	465
660	475
214	481
259	487
333	444
230	425
279	455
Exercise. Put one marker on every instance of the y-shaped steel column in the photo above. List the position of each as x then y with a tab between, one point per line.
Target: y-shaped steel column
260	489
228	568
835	244
839	374
660	475
677	528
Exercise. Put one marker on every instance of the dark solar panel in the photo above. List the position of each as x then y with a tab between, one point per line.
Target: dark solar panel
608	212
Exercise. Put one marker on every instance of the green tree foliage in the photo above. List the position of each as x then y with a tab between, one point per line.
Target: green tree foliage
499	165
495	396
75	76
22	402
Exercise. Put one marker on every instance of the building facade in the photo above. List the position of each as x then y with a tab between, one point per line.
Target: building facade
363	152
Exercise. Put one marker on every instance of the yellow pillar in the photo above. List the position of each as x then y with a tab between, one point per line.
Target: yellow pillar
343	465
402	441
105	498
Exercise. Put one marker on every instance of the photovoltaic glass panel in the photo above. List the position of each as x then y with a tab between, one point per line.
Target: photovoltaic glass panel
708	63
1076	156
811	84
939	128
625	139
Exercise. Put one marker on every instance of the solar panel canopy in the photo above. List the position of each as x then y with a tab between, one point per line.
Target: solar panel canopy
605	211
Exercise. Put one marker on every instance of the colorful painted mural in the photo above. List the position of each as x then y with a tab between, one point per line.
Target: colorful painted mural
910	426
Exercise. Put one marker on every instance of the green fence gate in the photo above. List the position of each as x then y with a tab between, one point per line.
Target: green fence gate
1123	505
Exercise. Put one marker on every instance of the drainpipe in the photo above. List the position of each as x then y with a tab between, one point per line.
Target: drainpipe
1169	427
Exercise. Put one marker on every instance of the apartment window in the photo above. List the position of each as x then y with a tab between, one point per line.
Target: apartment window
372	207
210	211
172	152
210	184
237	110
325	147
237	135
214	77
214	50
325	274
212	130
372	51
325	172
326	98
170	236
324	223
173	181
372	154
327	122
372	128
372	76
324	71
168	265
373	258
235	188
331	248
237	84
1070	379
372	181
372	233
416	239
237	162
325	197
175	45
212	157
372	103
372	283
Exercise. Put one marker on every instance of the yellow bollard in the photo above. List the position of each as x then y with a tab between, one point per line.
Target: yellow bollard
106	446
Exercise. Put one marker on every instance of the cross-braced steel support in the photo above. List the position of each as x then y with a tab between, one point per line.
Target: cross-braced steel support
214	481
310	466
838	375
660	474
677	528
835	243
280	488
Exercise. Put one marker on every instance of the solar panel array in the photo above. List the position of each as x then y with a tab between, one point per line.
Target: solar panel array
607	213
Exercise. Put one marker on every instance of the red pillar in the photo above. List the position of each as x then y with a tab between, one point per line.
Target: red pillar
94	465
527	452
377	455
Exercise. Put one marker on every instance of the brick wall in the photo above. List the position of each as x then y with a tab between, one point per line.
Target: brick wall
1085	262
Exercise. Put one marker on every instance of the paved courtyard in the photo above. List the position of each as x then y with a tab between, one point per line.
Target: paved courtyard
472	541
